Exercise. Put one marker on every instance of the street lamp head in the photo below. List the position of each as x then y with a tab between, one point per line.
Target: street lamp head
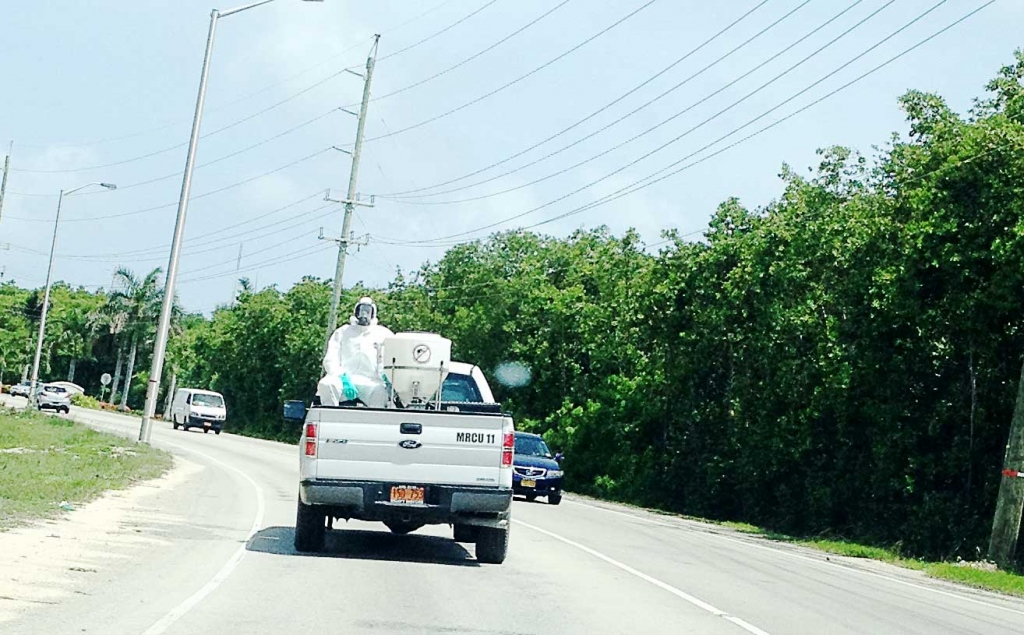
109	186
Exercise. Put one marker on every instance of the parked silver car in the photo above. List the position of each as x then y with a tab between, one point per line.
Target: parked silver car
49	397
22	389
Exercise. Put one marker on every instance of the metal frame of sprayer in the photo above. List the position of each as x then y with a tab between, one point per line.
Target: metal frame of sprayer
393	396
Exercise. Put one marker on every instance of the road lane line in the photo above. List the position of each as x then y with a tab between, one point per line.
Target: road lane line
165	622
683	595
824	563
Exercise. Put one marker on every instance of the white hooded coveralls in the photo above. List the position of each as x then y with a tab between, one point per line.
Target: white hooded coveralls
356	352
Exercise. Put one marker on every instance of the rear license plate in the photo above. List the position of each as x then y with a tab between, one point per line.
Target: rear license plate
529	483
407	494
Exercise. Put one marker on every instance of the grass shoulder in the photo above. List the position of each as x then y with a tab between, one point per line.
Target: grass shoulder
981	575
48	460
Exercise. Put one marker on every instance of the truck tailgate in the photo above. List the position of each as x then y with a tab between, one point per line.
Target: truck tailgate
411	446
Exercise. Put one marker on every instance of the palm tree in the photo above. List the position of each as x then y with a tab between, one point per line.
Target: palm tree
136	305
115	318
79	332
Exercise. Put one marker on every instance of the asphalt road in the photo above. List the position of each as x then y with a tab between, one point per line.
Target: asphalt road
227	566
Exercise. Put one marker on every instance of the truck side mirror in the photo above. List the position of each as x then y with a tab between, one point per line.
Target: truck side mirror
295	410
559	456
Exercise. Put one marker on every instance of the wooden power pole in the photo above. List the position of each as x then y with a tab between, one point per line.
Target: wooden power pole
1010	502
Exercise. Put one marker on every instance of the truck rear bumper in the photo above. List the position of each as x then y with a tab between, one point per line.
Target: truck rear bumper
364	500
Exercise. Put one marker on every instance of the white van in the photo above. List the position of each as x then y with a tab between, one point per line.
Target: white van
194	408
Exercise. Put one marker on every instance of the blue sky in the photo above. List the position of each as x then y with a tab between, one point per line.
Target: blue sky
110	83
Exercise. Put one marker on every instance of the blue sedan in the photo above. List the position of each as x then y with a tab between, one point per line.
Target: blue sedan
535	471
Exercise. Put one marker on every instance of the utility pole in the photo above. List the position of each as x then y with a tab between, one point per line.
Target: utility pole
238	267
3	184
1010	501
350	200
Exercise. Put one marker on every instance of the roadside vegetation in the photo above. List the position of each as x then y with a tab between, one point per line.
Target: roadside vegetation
977	574
49	464
841	361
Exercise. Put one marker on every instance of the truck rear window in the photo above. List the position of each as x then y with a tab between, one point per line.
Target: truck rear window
460	388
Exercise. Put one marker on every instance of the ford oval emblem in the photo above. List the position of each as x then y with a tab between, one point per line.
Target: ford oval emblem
410	444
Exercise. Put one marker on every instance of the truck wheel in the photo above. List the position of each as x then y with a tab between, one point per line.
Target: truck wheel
400	528
465	533
309	528
531	497
174	422
492	544
216	431
554	499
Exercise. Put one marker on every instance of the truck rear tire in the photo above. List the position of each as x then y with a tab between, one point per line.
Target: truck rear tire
491	544
309	528
465	533
554	499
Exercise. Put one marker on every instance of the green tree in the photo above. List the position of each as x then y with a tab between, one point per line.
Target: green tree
135	304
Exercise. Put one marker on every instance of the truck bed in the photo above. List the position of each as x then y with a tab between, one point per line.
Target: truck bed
405	446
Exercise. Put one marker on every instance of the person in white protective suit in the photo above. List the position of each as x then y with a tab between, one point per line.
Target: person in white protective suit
354	363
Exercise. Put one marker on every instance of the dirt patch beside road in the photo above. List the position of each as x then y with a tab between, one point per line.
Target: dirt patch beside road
42	563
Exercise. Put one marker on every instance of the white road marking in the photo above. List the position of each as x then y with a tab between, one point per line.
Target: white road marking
172	616
825	563
683	595
229	567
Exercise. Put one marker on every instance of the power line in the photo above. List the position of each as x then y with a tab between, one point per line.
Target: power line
673	238
630	114
475	55
217	231
699	125
492	282
167	205
518	79
221	242
639	185
636	185
434	35
593	114
233	259
230	155
275	261
182	145
349	49
218	159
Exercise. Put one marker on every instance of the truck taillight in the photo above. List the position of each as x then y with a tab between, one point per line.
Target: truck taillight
508	444
311	439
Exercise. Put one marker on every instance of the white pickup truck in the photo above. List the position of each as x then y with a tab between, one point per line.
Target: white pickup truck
447	461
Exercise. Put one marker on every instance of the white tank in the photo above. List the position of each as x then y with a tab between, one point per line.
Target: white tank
416	364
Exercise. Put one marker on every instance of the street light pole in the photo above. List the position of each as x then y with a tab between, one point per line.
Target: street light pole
32	399
163	327
160	347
